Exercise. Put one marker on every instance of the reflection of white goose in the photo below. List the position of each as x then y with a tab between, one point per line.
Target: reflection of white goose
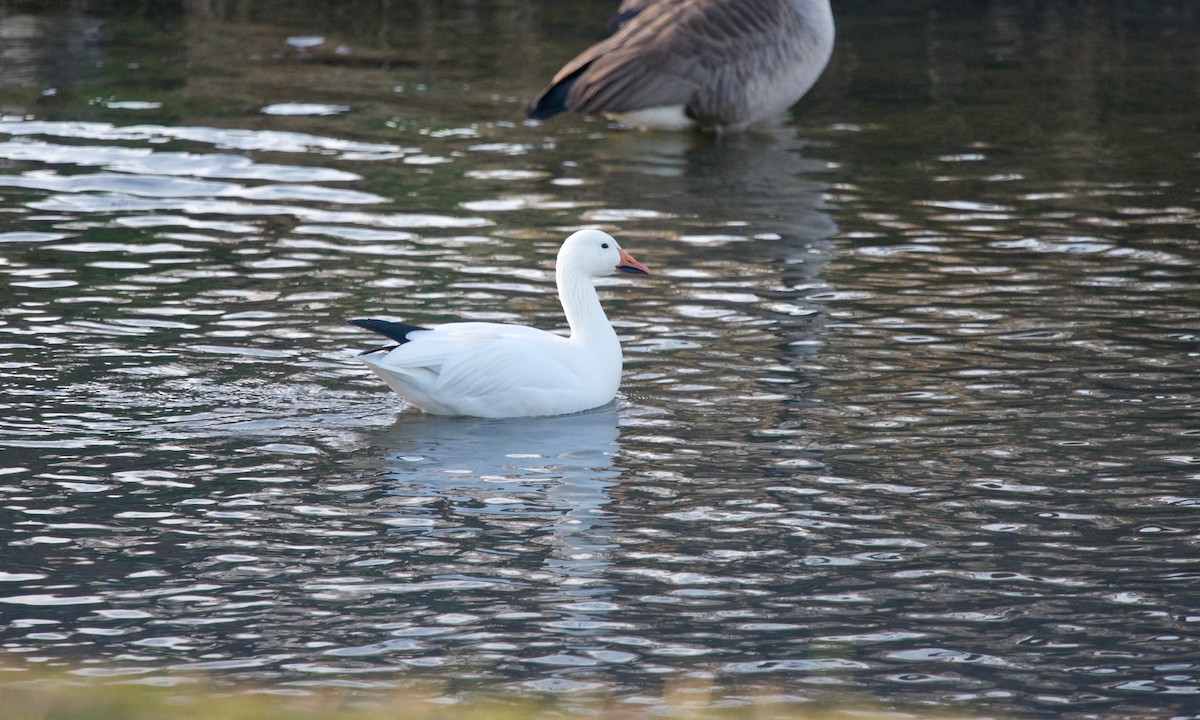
557	470
675	64
495	370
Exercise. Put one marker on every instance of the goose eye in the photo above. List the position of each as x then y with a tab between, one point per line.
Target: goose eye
604	245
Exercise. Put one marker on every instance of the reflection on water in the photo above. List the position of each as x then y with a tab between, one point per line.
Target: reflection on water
909	412
501	471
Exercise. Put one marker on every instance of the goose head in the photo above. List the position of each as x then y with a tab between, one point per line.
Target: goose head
595	253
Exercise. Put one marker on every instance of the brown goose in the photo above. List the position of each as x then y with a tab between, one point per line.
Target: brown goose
676	64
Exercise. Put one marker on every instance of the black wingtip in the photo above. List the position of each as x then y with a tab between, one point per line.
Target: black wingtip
395	331
381	348
551	102
553	99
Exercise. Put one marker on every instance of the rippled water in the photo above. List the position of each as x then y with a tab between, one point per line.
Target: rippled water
910	412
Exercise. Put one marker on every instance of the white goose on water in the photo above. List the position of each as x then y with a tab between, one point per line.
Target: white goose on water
676	64
496	370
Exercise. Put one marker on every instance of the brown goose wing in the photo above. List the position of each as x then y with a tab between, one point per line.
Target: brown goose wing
668	53
626	11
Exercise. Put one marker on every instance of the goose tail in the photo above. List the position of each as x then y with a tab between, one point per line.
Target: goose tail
396	331
551	102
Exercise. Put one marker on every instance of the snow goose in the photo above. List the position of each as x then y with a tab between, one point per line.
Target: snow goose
677	64
495	370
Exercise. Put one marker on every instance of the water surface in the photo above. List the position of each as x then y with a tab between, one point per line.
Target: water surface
910	411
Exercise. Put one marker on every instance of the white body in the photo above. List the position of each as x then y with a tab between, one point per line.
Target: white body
495	370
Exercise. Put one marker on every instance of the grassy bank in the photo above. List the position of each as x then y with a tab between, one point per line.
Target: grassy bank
71	699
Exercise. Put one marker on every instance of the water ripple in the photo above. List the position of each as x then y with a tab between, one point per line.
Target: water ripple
906	414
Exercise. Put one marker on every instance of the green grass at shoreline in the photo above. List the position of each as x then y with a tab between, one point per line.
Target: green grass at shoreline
67	698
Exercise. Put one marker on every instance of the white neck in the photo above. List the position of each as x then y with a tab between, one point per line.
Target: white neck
581	305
